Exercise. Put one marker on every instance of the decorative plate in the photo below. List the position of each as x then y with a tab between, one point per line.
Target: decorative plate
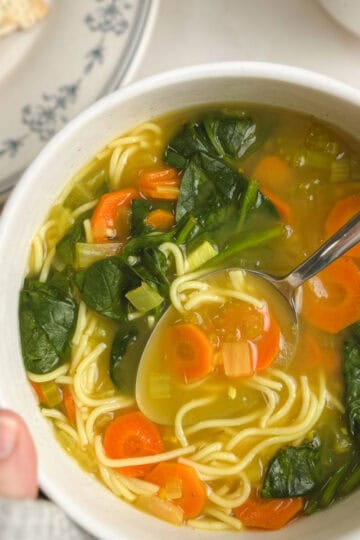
79	52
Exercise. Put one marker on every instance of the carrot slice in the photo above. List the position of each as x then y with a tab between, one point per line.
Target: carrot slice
112	207
160	219
331	299
258	329
38	390
268	343
132	435
189	352
273	173
343	210
160	183
192	495
313	355
69	404
268	513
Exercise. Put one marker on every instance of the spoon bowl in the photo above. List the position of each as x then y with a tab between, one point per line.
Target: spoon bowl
285	302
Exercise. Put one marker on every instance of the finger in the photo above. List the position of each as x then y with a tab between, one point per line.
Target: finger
18	466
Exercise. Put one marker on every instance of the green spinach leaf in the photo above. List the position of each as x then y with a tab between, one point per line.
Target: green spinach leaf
65	248
47	321
351	371
293	472
152	267
208	188
125	355
189	141
103	286
231	136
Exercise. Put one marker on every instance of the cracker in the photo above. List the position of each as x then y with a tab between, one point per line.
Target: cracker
20	14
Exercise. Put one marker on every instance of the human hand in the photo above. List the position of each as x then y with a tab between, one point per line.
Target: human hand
18	464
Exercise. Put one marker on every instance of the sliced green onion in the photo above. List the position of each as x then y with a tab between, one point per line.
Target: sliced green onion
87	254
248	202
144	298
249	241
185	231
201	255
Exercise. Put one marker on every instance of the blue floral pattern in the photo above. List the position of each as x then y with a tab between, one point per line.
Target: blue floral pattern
46	117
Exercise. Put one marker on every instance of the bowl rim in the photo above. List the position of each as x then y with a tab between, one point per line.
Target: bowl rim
282	73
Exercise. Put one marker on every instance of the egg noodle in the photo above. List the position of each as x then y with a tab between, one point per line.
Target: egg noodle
291	407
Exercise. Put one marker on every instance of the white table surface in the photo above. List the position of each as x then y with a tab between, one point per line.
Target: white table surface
296	32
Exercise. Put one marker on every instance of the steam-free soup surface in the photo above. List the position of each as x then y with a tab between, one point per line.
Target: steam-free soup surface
237	421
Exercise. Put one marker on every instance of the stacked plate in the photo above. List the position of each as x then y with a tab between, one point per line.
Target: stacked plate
79	52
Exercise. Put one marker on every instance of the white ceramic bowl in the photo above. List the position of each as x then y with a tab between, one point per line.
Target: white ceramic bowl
82	497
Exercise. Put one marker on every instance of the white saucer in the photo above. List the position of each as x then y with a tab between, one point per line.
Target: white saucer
82	50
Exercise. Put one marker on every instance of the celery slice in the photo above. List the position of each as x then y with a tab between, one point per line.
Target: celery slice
201	255
340	170
144	298
52	394
87	188
87	254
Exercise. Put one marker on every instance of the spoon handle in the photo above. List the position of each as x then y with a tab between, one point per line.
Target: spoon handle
332	249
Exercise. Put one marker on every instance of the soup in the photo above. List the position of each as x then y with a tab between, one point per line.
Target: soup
236	417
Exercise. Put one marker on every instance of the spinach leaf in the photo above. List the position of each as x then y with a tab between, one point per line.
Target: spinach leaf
351	371
152	268
293	472
189	141
339	482
103	286
134	246
208	187
64	280
47	322
65	248
226	136
125	355
140	209
231	136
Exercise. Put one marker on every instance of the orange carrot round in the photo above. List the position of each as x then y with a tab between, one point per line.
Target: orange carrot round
342	212
193	494
105	220
189	352
160	219
268	513
312	355
273	173
132	435
331	299
69	404
160	183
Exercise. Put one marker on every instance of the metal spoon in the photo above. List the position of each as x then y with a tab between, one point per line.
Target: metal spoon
333	248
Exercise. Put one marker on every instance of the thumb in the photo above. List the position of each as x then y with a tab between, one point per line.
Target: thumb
18	478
